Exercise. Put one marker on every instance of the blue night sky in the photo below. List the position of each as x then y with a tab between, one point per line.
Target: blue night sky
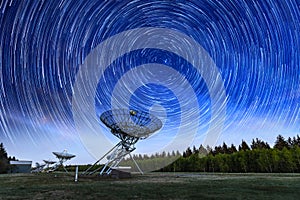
44	45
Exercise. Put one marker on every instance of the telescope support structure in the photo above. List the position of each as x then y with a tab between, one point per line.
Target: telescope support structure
115	156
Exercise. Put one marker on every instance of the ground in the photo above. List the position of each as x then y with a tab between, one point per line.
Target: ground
152	186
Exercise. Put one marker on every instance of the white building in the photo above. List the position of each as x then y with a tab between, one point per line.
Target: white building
20	166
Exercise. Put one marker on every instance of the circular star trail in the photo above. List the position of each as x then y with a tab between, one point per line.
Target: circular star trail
254	45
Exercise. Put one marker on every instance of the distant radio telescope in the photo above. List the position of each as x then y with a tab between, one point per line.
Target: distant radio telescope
62	157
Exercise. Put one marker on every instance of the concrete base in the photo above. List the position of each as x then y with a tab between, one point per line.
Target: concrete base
121	172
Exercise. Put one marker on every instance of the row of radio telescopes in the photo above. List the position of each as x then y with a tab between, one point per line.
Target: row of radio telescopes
128	125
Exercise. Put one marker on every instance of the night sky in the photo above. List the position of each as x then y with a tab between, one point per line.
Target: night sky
211	70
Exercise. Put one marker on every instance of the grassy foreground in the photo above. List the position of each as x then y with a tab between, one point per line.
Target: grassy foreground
152	186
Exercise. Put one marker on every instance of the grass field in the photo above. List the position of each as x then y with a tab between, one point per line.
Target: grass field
152	186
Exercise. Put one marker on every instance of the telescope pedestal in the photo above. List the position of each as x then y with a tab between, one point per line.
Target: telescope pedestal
114	157
58	164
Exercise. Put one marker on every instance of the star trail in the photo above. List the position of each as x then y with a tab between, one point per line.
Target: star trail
211	70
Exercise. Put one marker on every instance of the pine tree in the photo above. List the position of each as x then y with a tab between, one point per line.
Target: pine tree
3	153
3	159
232	149
195	150
188	152
280	143
224	148
244	146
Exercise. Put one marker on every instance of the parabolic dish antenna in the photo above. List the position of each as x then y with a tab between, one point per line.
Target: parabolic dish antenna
129	126
62	157
132	123
49	162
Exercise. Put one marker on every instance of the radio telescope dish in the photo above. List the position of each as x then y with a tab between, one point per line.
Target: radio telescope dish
129	126
133	123
62	157
49	162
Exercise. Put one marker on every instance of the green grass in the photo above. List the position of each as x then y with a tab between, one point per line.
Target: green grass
152	186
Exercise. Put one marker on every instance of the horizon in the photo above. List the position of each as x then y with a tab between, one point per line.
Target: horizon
91	160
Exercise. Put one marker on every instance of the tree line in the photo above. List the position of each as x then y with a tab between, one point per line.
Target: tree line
259	157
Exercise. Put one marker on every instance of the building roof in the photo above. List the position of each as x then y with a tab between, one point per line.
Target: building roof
20	162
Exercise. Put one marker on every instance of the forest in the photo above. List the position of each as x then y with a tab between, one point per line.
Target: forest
258	157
